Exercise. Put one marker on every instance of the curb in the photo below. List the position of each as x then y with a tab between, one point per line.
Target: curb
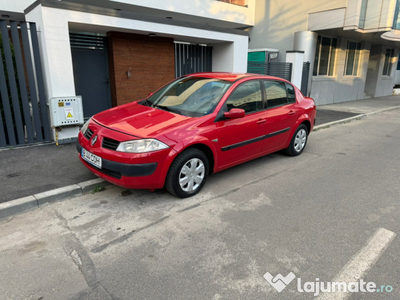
357	117
21	205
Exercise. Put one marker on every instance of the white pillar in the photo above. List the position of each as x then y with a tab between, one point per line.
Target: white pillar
296	58
306	41
55	50
231	56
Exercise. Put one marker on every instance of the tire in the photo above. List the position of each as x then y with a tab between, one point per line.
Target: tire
192	165
298	142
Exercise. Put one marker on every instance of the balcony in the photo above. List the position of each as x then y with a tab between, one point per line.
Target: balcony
236	2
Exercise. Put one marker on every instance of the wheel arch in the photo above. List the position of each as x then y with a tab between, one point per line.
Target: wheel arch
207	151
307	123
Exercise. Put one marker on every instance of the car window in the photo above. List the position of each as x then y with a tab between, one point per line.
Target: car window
246	96
276	93
290	93
189	96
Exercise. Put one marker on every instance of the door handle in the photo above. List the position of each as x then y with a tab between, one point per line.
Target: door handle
261	121
292	112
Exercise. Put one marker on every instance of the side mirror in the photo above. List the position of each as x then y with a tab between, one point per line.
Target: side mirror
235	113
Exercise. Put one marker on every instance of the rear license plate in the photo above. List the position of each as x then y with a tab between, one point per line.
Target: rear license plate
91	158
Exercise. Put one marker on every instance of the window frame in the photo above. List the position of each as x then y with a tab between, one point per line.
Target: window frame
286	90
331	65
263	105
357	55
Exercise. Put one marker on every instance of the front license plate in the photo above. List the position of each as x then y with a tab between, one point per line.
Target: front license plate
91	158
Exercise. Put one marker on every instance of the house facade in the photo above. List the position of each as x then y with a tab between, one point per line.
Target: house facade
115	52
352	45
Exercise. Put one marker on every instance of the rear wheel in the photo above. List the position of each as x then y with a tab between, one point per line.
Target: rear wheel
298	142
187	174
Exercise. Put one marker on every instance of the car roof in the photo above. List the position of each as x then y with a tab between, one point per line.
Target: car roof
229	76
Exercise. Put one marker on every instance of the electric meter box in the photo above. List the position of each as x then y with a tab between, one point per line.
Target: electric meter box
66	111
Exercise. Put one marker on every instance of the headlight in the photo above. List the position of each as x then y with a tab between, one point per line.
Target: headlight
141	146
85	126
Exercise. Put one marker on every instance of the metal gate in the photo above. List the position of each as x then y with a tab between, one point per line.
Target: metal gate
192	59
91	74
305	77
24	115
277	69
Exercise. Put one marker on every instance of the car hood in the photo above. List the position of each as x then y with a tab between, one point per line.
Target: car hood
139	120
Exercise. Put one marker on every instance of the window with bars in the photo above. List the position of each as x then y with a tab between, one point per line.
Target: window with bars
387	66
325	56
352	58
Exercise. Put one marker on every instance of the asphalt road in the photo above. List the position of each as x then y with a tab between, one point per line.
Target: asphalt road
39	169
329	215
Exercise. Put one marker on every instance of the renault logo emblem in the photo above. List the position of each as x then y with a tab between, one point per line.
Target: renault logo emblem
94	140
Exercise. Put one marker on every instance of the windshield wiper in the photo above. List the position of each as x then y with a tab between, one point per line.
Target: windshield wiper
167	108
146	102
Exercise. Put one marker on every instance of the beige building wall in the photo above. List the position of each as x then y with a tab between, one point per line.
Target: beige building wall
339	87
276	21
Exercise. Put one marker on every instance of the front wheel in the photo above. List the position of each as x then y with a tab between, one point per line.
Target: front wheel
298	142
187	174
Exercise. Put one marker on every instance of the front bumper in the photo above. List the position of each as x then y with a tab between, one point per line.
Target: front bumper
119	170
128	170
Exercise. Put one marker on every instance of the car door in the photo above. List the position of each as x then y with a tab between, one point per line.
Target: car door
281	114
241	139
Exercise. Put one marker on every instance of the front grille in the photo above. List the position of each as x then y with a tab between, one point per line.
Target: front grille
88	133
110	144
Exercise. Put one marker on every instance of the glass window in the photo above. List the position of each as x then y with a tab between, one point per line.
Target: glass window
189	96
398	64
363	13
276	93
352	58
387	66
396	20
291	95
246	96
325	53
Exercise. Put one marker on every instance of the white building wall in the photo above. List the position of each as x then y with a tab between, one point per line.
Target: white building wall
210	9
17	6
53	25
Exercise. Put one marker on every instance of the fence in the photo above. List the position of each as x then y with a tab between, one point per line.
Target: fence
23	109
305	77
277	69
192	59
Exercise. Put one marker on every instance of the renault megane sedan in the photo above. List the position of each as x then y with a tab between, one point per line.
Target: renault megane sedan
195	125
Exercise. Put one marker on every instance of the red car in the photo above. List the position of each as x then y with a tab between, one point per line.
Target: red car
195	125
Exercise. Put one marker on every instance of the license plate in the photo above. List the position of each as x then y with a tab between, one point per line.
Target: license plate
91	158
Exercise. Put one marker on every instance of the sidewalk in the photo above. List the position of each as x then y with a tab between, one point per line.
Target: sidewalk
31	170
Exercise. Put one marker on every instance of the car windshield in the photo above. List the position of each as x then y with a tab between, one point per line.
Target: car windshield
189	96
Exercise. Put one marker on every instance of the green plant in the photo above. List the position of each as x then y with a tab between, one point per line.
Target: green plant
97	188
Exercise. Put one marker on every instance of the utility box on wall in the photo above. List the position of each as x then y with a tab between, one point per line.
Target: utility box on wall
66	111
263	55
66	115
